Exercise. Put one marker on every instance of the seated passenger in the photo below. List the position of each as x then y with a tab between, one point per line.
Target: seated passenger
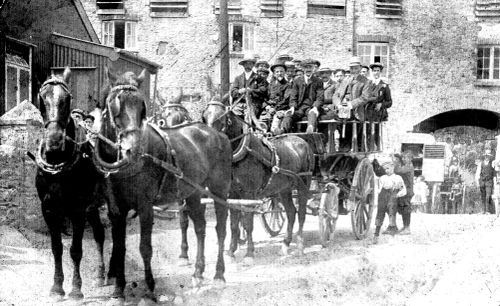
276	90
327	110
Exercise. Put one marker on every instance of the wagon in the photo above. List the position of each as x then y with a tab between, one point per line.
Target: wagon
343	182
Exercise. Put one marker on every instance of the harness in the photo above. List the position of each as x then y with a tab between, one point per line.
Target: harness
54	169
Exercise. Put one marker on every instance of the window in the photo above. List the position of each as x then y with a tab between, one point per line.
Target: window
233	7
326	7
487	10
370	53
120	34
17	81
488	63
169	8
388	8
106	7
241	37
271	8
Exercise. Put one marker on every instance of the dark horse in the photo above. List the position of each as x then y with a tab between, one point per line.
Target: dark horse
264	168
136	157
66	181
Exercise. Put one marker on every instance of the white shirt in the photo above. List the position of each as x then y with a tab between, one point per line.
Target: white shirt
247	75
306	79
376	81
325	85
393	181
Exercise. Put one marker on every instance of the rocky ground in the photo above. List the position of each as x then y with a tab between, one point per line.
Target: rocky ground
448	259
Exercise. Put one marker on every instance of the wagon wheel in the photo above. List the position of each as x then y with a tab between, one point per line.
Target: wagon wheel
361	198
328	213
272	216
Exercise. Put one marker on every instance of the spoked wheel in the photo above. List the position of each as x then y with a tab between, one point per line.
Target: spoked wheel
361	198
272	216
328	213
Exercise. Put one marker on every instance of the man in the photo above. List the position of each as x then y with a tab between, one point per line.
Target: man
484	178
77	115
240	84
365	71
327	110
258	90
307	91
276	89
290	71
380	101
89	124
283	58
404	168
299	72
353	93
338	76
261	64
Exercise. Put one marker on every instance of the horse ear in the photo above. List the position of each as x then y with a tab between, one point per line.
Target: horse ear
141	77
66	74
109	76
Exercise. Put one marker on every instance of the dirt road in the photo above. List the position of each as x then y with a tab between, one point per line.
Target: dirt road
448	259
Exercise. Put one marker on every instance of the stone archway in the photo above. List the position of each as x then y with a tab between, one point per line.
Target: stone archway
463	117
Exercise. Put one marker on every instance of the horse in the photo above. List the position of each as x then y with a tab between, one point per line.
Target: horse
137	155
264	167
66	182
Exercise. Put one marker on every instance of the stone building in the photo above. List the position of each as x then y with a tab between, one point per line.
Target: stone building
442	60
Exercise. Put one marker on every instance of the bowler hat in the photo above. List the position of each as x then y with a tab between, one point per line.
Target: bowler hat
290	64
355	61
325	69
278	64
310	61
364	66
262	69
377	64
284	58
247	59
78	111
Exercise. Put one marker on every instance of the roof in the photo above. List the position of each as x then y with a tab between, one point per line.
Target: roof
109	52
86	21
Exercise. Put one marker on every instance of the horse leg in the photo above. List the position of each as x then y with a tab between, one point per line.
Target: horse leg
54	224
78	221
196	212
302	218
235	231
146	219
290	210
220	227
117	261
248	224
98	231
184	223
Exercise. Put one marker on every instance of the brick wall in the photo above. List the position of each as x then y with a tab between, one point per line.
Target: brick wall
432	49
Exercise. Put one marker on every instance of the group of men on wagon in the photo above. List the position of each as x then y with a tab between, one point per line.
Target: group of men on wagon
304	90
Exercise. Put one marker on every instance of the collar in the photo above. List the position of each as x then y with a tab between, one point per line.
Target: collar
306	79
248	75
376	81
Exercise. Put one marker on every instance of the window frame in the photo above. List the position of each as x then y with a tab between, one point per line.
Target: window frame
314	8
127	42
385	73
491	65
246	41
117	11
166	4
388	6
18	81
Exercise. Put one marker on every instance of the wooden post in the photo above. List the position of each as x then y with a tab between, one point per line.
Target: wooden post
372	136
224	45
354	136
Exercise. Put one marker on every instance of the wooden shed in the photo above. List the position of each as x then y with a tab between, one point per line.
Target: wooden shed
87	61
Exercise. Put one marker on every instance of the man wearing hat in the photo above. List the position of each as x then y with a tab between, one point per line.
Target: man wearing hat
307	91
241	82
380	101
354	92
290	71
262	64
78	115
484	178
327	110
277	89
365	71
283	58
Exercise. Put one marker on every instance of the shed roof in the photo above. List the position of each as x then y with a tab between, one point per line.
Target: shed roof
110	52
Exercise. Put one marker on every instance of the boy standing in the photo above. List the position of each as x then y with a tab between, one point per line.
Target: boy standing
391	187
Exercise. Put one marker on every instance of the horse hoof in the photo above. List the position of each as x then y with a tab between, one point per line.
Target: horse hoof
99	282
110	281
183	262
57	294
116	302
230	253
197	281
146	302
76	295
219	283
248	261
285	250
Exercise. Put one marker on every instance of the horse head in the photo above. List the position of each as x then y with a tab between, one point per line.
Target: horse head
54	99
123	118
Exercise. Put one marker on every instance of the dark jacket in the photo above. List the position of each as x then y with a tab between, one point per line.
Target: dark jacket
406	172
360	95
277	92
304	96
258	90
487	172
380	93
241	82
329	90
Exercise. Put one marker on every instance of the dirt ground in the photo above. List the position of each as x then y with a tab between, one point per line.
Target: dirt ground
448	259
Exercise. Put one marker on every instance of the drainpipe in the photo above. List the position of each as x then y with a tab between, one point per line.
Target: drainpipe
354	38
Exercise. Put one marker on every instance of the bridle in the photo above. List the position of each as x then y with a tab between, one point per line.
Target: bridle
40	161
